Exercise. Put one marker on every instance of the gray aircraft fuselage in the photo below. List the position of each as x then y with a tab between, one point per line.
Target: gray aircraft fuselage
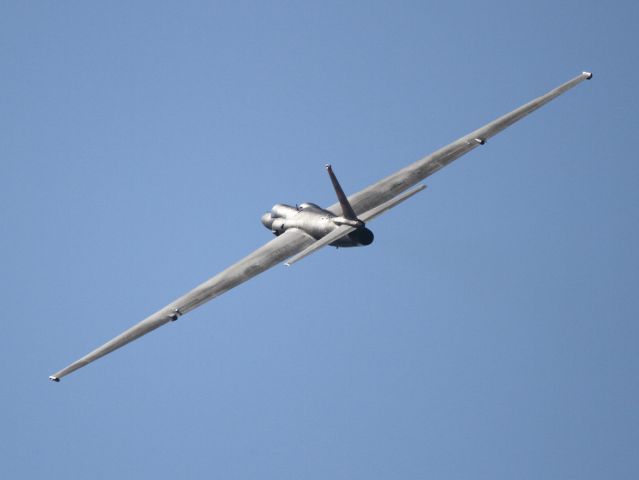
317	222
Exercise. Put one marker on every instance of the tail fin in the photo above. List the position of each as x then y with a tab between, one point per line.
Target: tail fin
347	210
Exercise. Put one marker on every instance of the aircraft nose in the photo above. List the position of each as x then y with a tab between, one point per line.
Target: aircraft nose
267	220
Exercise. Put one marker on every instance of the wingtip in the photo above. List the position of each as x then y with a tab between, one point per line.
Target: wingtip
53	378
588	75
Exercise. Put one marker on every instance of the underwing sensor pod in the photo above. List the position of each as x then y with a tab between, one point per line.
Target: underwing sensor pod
303	229
318	222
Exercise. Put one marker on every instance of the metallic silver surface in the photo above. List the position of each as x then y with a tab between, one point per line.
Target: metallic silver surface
345	229
274	252
299	228
327	239
347	211
405	178
375	212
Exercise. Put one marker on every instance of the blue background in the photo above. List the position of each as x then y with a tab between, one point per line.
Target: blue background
489	332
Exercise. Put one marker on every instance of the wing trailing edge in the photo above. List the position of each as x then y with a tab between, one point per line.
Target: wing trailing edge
412	174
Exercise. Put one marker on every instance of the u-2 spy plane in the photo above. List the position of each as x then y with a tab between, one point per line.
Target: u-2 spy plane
303	229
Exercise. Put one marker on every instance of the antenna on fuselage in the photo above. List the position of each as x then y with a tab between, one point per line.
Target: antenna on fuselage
347	210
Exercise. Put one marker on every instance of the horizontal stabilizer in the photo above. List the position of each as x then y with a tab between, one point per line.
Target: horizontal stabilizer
325	240
393	202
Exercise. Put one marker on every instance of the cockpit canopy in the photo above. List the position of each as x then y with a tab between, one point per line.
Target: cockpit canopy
309	206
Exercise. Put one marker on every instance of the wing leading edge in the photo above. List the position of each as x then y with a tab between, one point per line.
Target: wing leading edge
391	186
293	242
276	251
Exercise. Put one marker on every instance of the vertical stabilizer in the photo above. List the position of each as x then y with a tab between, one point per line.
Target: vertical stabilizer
347	210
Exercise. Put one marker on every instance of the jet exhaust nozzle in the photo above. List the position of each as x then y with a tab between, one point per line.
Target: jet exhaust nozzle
362	236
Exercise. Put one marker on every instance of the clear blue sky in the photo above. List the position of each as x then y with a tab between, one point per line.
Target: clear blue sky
491	331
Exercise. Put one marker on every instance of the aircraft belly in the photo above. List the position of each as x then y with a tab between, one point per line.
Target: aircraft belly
313	223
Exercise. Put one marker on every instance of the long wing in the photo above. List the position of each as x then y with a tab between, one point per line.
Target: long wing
393	185
385	194
276	251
